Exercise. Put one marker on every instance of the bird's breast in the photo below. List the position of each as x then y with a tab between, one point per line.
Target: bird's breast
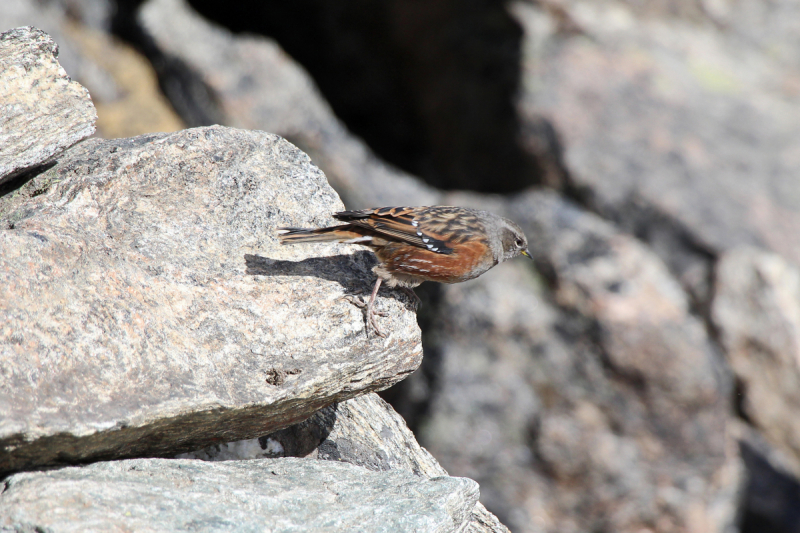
466	261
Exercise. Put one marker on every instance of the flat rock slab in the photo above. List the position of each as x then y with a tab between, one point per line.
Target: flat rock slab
147	308
42	111
259	495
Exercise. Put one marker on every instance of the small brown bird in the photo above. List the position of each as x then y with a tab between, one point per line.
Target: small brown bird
416	244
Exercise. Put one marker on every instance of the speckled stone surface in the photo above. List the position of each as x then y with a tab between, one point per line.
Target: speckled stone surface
259	495
146	306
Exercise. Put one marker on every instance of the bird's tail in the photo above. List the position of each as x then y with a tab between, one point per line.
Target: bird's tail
332	234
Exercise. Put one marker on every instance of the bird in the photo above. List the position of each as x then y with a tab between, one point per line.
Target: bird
446	244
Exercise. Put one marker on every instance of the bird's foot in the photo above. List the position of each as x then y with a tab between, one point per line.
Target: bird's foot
371	313
361	304
355	300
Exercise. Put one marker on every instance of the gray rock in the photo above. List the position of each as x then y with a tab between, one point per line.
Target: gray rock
43	111
364	431
148	308
259	495
482	521
680	124
369	433
258	86
603	406
757	312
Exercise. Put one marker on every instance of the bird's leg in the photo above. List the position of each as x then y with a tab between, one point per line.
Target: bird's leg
371	312
371	320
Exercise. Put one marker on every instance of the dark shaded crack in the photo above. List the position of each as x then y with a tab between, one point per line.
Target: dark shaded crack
19	180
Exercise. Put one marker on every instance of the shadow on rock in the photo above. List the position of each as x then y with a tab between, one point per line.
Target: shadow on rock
347	270
343	269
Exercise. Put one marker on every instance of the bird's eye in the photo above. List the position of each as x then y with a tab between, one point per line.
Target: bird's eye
519	243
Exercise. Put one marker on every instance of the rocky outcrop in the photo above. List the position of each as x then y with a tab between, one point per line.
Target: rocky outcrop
679	123
43	111
606	389
556	402
148	309
165	314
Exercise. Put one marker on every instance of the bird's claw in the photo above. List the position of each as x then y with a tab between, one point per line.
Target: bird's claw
353	299
371	313
374	323
362	304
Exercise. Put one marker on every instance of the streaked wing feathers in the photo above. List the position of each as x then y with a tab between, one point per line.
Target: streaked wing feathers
436	229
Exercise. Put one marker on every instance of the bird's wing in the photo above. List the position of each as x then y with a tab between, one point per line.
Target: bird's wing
436	228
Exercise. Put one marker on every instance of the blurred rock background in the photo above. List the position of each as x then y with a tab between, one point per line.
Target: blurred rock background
645	376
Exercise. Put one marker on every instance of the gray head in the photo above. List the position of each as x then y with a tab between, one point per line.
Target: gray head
506	239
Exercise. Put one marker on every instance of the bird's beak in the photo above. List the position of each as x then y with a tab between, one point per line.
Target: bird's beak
527	254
